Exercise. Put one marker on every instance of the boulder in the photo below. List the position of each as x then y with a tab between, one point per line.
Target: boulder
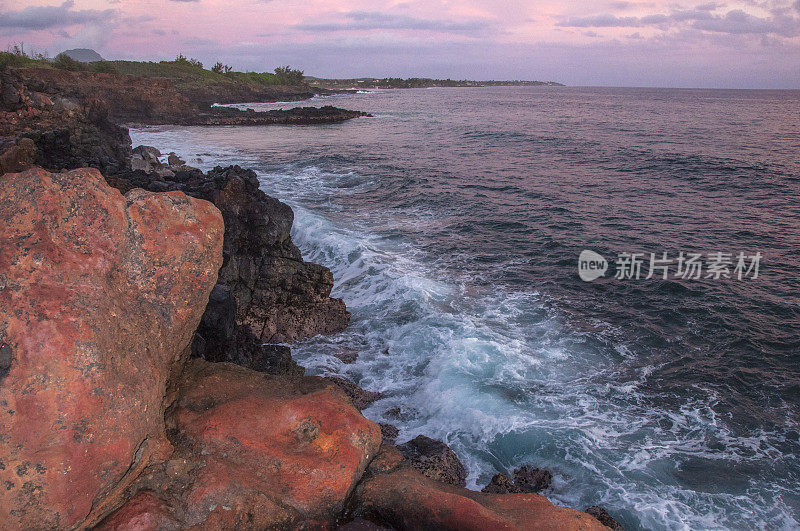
255	451
99	297
175	160
149	154
501	484
530	479
435	460
405	499
604	518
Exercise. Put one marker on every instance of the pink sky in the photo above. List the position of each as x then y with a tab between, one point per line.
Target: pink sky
750	43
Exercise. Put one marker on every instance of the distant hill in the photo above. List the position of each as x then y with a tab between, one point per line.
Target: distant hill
84	55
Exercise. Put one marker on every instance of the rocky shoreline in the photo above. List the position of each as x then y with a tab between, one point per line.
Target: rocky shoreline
145	380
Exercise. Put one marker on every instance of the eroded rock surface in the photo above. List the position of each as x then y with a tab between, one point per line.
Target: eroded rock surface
403	498
255	451
99	297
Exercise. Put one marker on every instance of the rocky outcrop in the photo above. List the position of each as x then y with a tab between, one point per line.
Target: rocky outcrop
146	100
394	494
526	479
100	295
156	101
530	479
277	295
604	518
67	133
435	460
254	451
295	116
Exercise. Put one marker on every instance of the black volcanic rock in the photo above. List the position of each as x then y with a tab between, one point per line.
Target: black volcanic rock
530	479
66	134
604	518
361	398
435	460
278	296
501	484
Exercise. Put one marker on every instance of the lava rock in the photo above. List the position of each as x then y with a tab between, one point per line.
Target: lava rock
389	432
530	479
280	297
435	460
358	396
501	484
604	518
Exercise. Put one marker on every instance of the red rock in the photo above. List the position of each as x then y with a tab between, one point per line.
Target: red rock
143	512
405	499
261	451
99	297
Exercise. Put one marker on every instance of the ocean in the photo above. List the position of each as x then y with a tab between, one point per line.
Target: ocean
453	220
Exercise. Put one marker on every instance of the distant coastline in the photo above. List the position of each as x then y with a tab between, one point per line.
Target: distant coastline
416	82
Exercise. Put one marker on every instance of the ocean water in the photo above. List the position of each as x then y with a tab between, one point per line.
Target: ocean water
452	221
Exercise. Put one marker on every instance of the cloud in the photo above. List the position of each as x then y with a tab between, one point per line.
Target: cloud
735	22
738	22
46	17
373	20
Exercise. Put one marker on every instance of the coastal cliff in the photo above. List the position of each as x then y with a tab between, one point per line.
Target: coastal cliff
141	380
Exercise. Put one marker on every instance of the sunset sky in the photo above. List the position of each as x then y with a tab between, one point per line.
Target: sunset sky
682	43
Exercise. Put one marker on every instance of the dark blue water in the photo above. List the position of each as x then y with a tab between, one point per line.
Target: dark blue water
453	220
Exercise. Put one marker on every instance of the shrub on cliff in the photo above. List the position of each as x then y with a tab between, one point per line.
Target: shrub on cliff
289	76
65	62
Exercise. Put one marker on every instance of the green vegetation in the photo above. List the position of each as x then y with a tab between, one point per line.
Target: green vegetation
186	73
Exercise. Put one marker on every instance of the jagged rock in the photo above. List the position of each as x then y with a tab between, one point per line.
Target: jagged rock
63	140
149	154
403	498
435	460
604	518
99	297
530	479
254	451
278	296
139	164
501	484
175	160
360	398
